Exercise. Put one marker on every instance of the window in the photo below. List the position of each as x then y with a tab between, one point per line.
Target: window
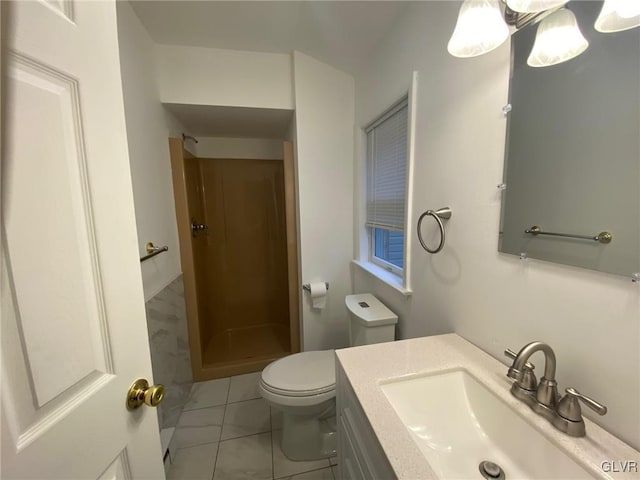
386	187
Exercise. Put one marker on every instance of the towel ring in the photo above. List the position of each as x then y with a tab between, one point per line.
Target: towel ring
440	214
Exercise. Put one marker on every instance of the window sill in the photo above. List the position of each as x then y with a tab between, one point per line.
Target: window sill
391	279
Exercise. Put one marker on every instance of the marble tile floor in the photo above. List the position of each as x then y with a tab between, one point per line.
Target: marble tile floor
226	431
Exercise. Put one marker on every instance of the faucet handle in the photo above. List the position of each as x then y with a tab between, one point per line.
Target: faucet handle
529	381
569	407
512	355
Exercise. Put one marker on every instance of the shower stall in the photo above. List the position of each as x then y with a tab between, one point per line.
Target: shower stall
238	246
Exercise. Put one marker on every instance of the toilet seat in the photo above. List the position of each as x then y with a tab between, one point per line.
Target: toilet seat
303	374
295	393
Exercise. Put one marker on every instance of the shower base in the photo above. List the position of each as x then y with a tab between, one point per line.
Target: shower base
244	350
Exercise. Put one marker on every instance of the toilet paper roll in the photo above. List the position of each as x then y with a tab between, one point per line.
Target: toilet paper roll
318	295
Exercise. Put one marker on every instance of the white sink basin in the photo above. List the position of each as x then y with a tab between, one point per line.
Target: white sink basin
457	423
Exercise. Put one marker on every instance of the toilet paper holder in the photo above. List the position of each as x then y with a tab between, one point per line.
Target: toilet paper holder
307	286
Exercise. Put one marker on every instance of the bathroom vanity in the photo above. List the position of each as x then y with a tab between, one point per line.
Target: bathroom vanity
439	407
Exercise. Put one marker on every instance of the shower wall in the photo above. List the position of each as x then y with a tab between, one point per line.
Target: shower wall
195	207
241	271
245	293
169	345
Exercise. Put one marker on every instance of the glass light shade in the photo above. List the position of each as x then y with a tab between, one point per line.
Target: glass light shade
558	39
480	28
618	15
531	6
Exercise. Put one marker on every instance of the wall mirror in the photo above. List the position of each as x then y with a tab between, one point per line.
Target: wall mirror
572	156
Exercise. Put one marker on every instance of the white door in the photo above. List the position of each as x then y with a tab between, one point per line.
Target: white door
73	322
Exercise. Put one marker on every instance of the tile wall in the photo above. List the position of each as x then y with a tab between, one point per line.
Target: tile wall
169	344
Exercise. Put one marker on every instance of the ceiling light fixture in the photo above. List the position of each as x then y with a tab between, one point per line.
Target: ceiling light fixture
483	25
533	6
618	15
480	28
558	39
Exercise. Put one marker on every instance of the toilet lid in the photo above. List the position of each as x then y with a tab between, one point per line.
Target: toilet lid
305	373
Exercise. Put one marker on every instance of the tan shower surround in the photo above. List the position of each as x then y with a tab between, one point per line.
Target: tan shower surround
241	274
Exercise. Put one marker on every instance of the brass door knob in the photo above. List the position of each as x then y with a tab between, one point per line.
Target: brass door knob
141	393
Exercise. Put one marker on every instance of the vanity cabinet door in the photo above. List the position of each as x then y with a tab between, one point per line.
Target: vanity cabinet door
360	455
349	468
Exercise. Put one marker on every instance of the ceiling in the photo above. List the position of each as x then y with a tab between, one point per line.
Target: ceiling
215	121
341	33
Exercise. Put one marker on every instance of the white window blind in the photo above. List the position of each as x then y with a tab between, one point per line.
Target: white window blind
387	169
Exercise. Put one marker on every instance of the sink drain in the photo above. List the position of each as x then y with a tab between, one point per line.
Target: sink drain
491	470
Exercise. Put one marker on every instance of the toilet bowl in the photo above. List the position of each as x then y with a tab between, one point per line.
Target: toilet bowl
303	385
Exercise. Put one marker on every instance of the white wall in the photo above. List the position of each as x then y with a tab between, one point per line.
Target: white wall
324	100
493	300
210	76
253	148
148	130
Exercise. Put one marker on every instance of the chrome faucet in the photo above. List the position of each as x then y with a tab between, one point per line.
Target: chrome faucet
547	391
564	414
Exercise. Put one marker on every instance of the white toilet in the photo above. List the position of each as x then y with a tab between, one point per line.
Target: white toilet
303	385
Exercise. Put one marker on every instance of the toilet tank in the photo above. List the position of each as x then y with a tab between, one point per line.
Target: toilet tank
370	320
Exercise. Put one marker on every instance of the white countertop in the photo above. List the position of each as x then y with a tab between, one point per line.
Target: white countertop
369	365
